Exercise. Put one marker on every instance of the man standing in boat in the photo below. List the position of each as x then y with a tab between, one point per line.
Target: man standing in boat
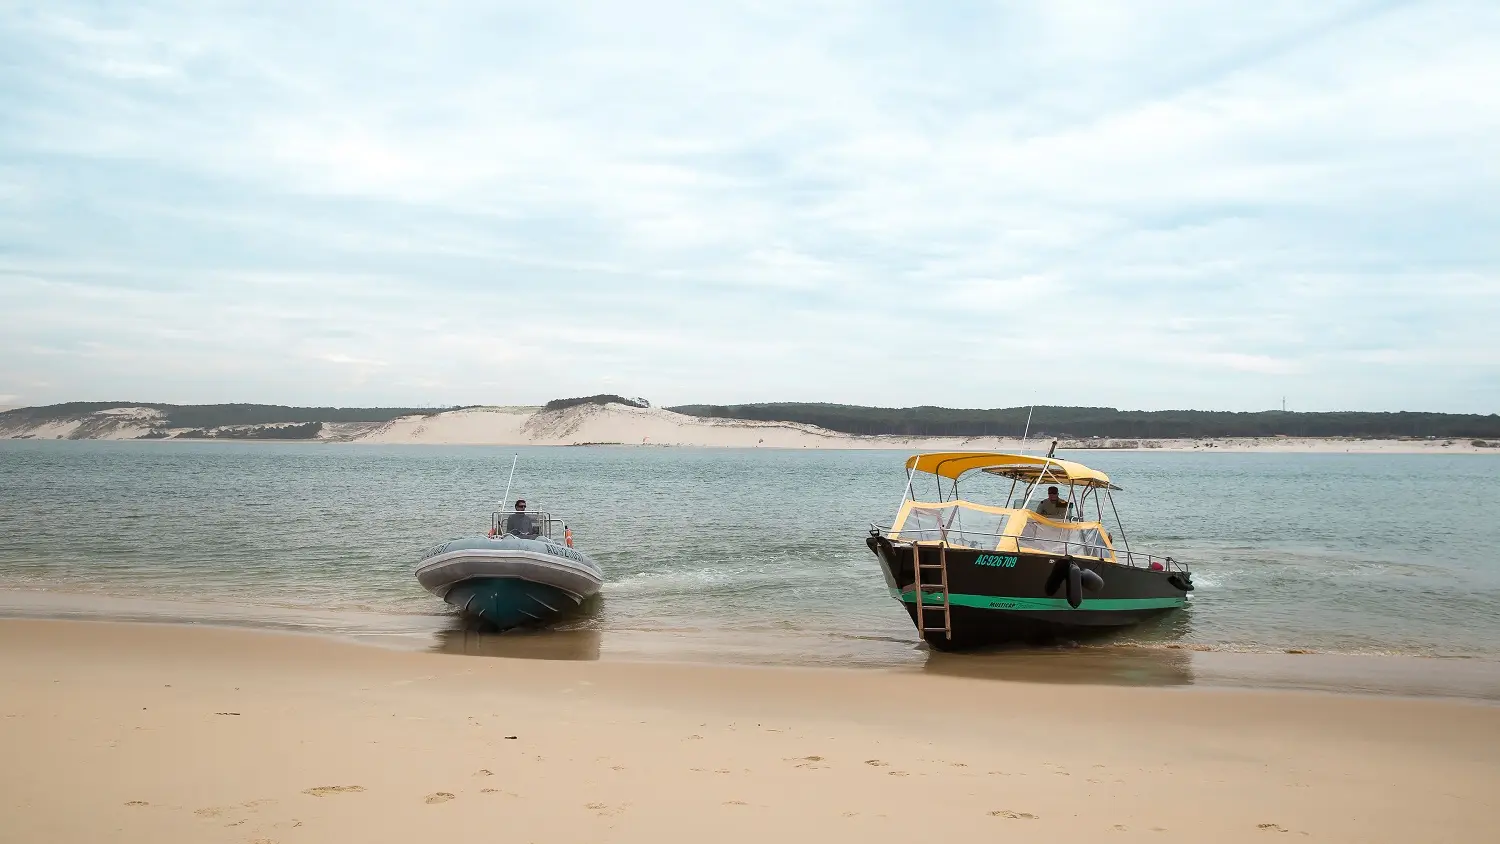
1053	507
521	523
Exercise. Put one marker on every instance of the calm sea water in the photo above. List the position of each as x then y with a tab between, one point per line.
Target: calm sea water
727	554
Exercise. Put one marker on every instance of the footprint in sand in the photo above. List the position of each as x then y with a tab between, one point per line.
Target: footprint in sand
876	763
137	803
735	803
1018	816
484	772
438	797
808	762
899	774
210	812
605	810
1271	827
325	790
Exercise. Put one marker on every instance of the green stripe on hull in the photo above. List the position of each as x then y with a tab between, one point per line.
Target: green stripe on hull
998	602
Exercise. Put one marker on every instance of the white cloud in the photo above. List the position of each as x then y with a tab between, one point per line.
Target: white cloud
1173	206
1251	363
349	360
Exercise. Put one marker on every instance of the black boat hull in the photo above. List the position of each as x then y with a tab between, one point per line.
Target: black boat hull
998	598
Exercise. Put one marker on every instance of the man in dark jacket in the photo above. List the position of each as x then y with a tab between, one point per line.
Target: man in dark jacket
521	523
1052	506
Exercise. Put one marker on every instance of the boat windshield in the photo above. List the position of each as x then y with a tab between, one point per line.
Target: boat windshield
969	525
541	522
954	521
1052	537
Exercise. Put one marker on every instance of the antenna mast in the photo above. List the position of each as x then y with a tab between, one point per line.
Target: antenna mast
512	477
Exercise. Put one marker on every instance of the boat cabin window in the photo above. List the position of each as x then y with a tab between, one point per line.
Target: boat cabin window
541	522
1046	537
960	525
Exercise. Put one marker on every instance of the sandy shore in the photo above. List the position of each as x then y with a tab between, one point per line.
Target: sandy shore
175	734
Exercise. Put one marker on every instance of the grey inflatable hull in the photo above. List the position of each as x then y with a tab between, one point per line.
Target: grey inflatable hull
509	581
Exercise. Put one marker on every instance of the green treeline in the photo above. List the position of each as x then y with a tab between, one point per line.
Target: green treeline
1074	422
561	404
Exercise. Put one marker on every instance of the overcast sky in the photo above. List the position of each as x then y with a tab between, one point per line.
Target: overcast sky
1141	205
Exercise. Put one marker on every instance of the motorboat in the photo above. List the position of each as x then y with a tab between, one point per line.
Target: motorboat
512	578
971	574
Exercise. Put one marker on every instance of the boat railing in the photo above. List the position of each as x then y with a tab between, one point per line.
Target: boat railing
543	520
1037	544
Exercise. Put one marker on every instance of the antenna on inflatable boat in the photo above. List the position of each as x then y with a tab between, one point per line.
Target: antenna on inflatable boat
1027	432
506	497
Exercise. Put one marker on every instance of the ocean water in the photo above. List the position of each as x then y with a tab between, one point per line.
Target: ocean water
753	555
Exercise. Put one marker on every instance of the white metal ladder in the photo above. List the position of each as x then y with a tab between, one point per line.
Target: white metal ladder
923	588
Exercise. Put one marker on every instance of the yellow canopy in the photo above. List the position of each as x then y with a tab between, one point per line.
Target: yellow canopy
1021	467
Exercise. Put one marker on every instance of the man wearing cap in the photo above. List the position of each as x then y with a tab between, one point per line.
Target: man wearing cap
1052	506
521	523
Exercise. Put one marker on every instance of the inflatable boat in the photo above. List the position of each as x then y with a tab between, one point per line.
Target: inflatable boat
510	580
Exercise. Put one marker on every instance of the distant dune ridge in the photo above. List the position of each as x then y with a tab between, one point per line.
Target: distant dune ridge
613	420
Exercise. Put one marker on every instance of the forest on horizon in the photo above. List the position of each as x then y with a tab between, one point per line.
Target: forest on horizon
1083	422
925	421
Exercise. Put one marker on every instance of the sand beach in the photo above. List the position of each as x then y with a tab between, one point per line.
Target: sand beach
166	734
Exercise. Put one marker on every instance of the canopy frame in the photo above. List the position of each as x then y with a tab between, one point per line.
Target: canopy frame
1018	467
1023	467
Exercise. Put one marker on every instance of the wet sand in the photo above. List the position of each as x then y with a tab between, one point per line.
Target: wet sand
166	734
1164	665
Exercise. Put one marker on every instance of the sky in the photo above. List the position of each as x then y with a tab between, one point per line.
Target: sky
1141	205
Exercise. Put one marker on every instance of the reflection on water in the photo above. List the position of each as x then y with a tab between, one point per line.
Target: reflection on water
466	638
1113	666
573	635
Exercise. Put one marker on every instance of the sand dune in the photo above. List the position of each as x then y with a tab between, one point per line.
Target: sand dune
118	423
174	734
617	424
612	424
624	425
